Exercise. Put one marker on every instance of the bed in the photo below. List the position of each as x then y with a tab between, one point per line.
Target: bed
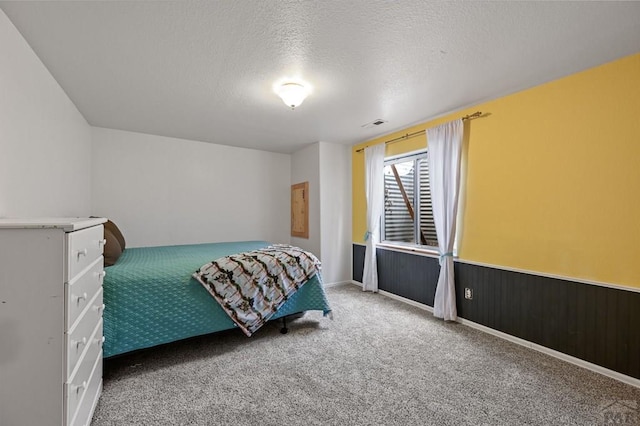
151	297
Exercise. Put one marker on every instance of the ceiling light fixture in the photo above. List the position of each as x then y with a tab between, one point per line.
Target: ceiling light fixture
292	94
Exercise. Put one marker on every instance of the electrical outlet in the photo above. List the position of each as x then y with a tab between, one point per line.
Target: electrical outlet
468	293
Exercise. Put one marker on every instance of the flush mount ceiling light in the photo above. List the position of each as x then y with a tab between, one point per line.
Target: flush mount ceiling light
292	94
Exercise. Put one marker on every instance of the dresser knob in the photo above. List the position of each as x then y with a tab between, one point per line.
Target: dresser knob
99	341
81	298
102	242
101	276
80	342
99	308
81	387
82	252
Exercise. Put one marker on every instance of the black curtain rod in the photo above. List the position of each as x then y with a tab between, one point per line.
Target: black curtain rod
422	132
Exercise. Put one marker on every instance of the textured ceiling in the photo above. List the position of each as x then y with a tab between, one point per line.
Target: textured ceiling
204	70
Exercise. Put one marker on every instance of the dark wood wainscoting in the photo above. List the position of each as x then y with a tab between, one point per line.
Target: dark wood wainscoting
595	323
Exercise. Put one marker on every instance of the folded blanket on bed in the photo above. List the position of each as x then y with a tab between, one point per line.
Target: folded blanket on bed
251	286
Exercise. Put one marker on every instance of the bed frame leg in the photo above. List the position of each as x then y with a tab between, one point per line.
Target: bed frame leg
284	329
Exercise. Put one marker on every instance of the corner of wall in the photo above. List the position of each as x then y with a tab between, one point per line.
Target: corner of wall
46	135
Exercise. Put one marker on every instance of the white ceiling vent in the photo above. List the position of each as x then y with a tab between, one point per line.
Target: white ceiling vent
374	123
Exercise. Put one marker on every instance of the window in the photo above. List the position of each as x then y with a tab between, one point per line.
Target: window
406	185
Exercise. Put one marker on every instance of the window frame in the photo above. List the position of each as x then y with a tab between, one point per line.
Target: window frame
414	156
414	247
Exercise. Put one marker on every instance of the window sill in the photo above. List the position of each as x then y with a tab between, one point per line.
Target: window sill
421	250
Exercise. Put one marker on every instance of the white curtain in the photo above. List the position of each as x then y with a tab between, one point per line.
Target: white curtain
374	190
444	144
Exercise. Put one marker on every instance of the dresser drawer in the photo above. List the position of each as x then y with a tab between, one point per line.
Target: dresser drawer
78	339
81	290
83	248
81	381
82	416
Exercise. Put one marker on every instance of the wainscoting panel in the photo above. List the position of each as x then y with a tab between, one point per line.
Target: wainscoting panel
412	277
358	262
598	324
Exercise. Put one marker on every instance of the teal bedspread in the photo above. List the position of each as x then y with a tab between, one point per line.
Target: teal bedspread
150	297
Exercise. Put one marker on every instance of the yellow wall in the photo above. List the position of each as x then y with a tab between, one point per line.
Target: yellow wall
553	177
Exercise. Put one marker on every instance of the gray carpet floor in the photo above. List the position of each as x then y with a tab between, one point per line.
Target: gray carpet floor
378	362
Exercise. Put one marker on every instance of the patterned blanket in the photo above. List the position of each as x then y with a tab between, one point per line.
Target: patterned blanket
253	285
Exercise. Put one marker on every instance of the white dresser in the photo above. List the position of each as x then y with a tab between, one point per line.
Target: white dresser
51	273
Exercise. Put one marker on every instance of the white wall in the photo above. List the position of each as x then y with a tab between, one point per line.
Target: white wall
164	191
305	167
327	168
159	190
45	143
335	202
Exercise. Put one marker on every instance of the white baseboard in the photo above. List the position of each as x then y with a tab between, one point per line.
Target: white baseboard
556	354
336	283
407	301
551	352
